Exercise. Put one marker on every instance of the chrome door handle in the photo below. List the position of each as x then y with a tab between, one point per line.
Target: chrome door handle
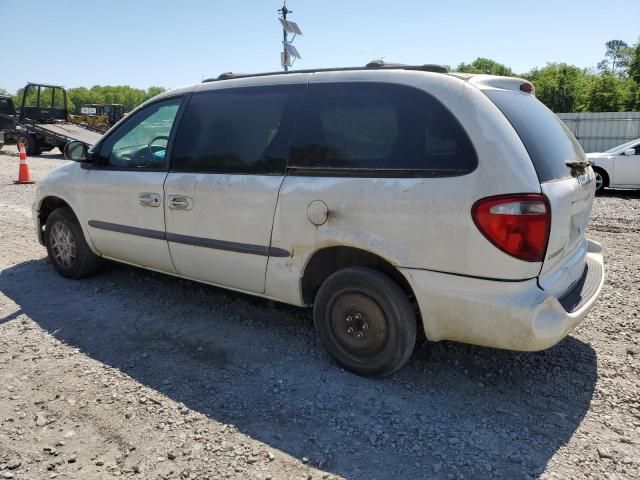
180	202
148	199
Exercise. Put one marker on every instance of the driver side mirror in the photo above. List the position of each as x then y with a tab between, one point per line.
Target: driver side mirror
76	151
630	152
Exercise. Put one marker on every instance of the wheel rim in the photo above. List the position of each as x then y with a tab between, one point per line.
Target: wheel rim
63	245
358	324
599	181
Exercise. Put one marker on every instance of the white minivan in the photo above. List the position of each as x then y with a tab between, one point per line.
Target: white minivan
388	197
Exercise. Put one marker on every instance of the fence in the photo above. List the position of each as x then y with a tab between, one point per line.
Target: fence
598	132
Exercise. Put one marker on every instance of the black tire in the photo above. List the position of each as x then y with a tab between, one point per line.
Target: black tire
379	341
30	143
61	148
601	185
85	263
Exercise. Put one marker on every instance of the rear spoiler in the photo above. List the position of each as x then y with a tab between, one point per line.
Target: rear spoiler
493	82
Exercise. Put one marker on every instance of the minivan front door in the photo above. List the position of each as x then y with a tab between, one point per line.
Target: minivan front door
123	189
227	165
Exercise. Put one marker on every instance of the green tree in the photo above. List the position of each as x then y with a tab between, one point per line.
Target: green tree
603	93
129	97
616	57
557	85
634	63
152	92
485	65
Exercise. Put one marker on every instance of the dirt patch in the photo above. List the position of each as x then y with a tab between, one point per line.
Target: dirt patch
133	374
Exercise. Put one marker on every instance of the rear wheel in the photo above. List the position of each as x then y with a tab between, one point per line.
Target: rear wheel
365	321
66	246
602	180
30	143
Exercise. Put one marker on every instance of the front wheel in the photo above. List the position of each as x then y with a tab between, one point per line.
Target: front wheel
365	321
66	246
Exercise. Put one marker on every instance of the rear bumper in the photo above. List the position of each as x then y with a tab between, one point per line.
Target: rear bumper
509	315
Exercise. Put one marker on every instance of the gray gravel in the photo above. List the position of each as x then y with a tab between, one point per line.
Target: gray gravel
133	374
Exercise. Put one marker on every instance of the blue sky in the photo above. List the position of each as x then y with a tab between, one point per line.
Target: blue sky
172	43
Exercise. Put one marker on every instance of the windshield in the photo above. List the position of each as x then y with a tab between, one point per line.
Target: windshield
623	147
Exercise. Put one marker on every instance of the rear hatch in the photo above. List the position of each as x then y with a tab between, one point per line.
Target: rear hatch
565	178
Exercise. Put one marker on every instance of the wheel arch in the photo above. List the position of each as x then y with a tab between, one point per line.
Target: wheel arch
45	207
327	260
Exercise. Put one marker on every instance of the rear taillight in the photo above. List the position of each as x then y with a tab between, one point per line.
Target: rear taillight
516	224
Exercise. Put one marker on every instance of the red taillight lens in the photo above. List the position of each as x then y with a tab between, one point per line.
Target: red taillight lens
516	224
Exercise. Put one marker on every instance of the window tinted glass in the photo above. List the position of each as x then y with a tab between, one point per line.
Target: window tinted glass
621	148
142	141
240	130
374	126
5	106
547	140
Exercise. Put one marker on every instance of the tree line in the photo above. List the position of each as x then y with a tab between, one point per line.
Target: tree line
106	94
611	86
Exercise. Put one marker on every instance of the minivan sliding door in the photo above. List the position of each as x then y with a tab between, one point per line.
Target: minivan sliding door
227	165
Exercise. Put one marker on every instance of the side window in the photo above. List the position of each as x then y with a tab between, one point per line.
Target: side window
142	141
5	106
379	127
240	130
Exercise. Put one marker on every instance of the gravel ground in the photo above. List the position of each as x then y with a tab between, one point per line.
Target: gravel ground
133	374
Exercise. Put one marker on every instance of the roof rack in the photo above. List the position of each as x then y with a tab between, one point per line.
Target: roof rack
373	65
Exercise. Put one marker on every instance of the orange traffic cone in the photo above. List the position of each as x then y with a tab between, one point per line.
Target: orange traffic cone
24	175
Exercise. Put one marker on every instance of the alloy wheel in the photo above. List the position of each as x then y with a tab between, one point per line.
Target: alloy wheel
63	245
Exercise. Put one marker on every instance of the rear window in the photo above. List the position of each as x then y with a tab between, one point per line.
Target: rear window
380	128
548	141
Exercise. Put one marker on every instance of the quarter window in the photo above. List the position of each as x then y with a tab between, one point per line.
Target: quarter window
379	127
241	130
141	142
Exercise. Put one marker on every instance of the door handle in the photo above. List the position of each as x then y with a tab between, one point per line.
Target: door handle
148	199
180	202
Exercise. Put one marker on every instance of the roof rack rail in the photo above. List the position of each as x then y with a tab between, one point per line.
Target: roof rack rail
427	67
373	65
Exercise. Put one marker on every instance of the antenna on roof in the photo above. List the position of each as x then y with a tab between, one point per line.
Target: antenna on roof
289	53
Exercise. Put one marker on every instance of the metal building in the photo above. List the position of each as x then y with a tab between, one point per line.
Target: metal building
598	132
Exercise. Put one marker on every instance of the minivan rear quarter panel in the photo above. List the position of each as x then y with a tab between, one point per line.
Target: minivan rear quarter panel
422	223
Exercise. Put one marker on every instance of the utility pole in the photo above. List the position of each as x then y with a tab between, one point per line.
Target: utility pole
283	11
288	50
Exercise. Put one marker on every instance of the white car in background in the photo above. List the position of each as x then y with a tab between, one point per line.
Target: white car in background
618	167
